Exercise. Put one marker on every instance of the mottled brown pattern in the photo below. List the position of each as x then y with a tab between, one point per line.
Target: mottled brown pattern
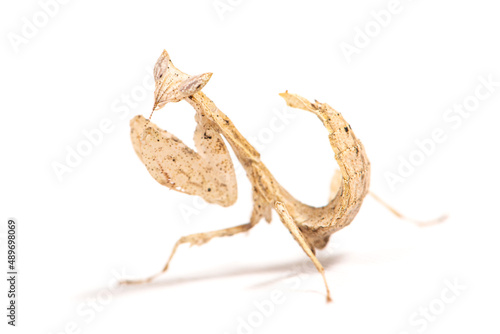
209	171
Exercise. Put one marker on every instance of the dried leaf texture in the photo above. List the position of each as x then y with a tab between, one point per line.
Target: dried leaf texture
354	166
211	167
208	173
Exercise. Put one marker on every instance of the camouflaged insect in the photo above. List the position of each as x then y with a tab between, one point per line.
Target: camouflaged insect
208	171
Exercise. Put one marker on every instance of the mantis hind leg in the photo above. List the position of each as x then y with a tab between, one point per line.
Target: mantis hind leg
290	224
421	223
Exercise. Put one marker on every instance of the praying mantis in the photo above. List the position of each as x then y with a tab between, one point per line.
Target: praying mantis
208	171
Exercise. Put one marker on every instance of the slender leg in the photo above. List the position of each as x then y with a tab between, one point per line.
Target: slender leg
400	215
299	237
195	239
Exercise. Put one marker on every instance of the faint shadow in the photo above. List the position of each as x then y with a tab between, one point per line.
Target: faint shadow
301	267
285	270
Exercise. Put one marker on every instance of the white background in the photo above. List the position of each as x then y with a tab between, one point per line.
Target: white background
108	215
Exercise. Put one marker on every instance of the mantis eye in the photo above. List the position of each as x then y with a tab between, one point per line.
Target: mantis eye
194	84
161	65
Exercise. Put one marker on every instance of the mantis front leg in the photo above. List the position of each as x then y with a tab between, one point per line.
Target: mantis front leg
207	172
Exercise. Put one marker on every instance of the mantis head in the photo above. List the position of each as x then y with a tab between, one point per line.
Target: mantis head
173	85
